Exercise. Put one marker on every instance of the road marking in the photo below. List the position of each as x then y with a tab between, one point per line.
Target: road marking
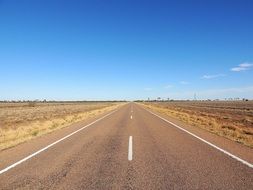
54	143
130	149
131	117
205	141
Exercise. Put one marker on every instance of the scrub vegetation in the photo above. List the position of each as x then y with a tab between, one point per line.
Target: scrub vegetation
230	119
20	122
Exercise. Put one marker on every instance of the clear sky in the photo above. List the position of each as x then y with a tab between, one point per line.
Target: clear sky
126	49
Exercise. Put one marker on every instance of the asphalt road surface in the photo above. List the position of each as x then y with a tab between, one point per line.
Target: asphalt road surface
127	149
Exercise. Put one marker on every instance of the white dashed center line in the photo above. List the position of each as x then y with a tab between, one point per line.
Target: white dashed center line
130	148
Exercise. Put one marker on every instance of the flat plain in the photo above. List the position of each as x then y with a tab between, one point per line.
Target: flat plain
230	119
129	148
20	122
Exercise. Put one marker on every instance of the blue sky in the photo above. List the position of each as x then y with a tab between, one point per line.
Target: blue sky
139	49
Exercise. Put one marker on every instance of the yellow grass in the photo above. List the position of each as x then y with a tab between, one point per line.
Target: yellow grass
20	123
223	121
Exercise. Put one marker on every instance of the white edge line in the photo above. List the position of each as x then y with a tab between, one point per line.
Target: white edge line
130	149
54	143
205	141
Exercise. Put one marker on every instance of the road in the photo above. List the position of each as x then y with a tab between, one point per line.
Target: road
128	149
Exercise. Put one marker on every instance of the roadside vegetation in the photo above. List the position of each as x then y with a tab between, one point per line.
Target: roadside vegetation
20	122
230	119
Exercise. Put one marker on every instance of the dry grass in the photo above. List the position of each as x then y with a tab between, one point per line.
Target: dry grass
233	120
20	122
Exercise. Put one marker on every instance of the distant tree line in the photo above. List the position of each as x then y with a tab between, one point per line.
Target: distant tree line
55	101
159	99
